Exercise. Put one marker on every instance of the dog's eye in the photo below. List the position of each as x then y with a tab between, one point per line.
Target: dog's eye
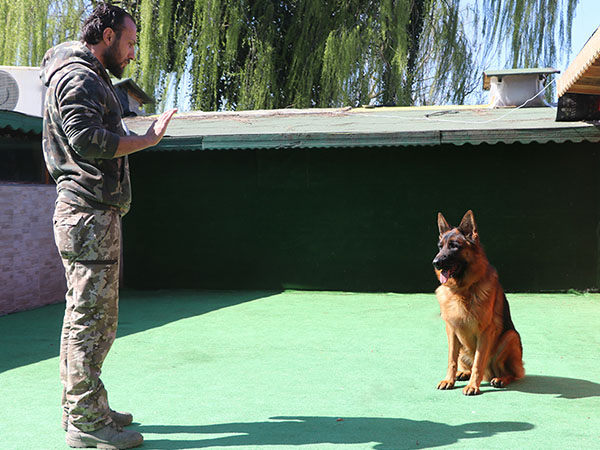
453	245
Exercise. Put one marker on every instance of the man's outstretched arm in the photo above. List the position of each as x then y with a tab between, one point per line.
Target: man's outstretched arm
156	131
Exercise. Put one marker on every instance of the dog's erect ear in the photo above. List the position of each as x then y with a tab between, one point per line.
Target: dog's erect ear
442	224
468	227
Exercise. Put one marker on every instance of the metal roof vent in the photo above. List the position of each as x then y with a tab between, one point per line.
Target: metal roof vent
516	87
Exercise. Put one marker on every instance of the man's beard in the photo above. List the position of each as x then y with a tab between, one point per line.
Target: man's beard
113	65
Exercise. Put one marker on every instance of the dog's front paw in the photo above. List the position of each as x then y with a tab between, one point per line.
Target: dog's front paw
445	384
471	389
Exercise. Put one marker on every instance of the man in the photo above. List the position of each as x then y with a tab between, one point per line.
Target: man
85	147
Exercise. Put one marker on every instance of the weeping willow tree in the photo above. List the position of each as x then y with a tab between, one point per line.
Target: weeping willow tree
250	54
532	29
29	27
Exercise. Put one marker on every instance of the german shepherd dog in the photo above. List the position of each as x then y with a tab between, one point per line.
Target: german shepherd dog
483	343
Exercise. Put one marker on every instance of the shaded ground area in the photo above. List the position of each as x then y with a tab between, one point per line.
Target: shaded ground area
310	370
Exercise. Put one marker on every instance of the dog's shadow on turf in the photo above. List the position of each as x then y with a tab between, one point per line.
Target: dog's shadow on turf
382	433
571	388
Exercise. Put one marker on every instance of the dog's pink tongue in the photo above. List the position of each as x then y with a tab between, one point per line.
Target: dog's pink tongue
444	276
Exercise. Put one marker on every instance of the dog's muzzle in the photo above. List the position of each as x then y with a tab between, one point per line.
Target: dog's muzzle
448	267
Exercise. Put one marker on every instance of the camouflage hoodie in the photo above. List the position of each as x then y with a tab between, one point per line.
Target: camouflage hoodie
82	128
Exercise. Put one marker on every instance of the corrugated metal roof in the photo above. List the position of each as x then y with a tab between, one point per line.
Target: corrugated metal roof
583	74
20	122
363	127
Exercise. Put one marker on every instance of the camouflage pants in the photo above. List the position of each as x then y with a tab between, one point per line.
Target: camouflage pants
89	244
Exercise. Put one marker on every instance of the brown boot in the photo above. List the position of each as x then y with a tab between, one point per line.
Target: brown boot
110	437
122	419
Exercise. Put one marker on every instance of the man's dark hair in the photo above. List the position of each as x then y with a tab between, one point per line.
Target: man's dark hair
104	16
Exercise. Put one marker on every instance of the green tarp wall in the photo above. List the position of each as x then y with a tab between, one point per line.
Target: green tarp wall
360	219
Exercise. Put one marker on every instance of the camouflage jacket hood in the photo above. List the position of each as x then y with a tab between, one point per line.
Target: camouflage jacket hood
82	129
62	55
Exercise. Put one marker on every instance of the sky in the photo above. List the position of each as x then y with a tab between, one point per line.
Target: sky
587	19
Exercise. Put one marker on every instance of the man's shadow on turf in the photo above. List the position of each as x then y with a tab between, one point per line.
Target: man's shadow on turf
382	433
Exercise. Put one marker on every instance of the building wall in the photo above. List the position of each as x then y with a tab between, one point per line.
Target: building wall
360	219
31	272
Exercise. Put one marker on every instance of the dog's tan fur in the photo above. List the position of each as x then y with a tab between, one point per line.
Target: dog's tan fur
482	341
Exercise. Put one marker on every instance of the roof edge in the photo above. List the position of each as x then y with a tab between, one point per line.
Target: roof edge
374	140
582	62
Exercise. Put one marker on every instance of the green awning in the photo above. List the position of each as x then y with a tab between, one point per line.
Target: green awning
19	122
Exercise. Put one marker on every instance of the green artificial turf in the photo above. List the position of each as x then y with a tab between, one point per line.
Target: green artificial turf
310	370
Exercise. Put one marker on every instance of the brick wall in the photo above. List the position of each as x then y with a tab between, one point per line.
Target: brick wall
31	272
